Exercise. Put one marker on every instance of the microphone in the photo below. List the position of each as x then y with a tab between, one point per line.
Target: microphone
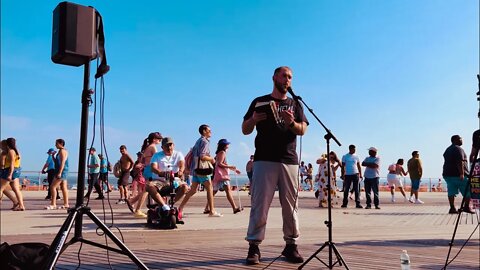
295	97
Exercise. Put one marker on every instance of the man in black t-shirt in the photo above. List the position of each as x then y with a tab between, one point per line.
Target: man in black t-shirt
475	145
278	120
455	173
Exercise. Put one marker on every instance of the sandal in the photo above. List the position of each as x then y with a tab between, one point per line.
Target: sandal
51	207
19	209
206	211
139	214
237	210
15	205
63	207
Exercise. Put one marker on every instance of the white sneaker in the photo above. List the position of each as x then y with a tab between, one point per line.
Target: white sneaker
418	201
215	214
411	200
393	199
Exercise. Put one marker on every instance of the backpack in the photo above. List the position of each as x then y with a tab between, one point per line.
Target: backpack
163	220
117	169
23	256
188	160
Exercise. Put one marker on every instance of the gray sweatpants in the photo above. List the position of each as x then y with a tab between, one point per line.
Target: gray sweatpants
267	176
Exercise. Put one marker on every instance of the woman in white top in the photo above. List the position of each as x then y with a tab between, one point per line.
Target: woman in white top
322	177
395	172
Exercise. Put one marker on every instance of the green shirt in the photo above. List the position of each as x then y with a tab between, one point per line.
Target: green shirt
414	166
94	160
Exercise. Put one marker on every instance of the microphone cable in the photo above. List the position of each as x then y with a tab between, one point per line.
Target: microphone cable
103	149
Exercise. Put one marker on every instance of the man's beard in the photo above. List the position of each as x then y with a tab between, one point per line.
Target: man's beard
281	88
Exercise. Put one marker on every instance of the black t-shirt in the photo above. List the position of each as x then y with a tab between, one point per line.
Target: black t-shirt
453	155
476	139
275	141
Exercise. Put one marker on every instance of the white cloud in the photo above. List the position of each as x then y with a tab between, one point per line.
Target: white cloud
14	123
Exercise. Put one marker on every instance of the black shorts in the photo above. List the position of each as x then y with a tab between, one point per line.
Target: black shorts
103	177
123	180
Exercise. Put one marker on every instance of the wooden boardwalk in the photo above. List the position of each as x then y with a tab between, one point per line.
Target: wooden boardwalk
158	250
366	239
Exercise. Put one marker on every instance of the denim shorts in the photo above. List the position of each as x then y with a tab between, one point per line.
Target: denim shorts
64	175
16	173
221	185
147	172
200	179
415	184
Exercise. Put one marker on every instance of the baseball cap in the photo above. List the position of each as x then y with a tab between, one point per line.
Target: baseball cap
166	141
93	149
223	141
372	149
50	150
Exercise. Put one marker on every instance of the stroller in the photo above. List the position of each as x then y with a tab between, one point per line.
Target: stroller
158	218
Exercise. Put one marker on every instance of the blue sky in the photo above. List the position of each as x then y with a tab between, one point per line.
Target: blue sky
397	75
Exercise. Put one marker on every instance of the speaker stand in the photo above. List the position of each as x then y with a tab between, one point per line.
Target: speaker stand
75	215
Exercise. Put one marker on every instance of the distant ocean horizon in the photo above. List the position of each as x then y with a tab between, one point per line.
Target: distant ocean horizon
37	178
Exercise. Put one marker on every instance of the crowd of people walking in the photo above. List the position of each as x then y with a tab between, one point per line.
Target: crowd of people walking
274	167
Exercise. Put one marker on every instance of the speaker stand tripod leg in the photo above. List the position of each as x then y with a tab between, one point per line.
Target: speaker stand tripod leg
117	241
56	248
314	255
339	257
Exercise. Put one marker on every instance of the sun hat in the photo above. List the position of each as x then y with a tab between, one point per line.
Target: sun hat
223	141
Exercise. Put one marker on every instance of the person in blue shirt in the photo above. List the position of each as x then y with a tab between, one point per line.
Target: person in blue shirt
372	176
61	174
104	168
49	169
93	172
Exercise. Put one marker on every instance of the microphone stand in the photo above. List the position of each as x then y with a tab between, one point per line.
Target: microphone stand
473	174
331	246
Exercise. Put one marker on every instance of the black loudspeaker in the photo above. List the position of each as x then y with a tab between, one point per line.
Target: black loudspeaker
73	34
